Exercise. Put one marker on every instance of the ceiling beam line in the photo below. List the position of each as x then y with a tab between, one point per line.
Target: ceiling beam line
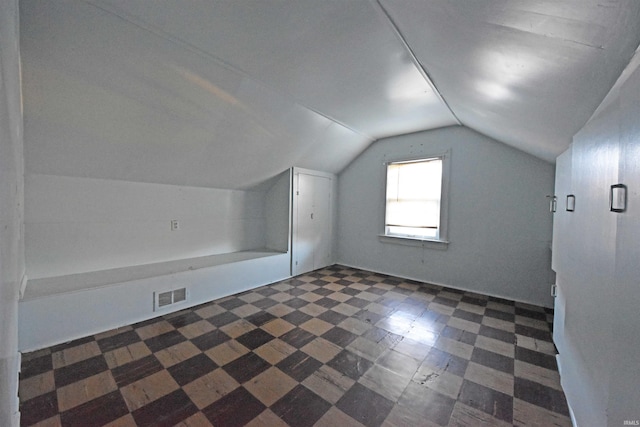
396	30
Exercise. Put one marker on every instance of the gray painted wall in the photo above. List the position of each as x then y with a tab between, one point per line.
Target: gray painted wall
278	213
11	210
76	225
499	221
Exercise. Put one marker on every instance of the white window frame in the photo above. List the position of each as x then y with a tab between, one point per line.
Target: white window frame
441	241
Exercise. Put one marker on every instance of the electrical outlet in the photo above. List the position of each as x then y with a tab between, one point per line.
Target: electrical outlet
175	225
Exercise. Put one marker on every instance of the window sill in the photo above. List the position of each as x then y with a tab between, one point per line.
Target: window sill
412	241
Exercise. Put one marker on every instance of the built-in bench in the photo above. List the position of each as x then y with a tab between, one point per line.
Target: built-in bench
54	310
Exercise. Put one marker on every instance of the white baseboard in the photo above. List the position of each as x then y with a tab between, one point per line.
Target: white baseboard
443	285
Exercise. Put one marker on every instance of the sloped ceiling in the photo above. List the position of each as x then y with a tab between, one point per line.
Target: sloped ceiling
229	93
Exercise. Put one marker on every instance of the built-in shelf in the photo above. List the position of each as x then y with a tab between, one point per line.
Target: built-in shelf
47	286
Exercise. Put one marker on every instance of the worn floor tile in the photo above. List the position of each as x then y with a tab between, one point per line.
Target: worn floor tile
270	385
328	383
442	382
226	352
384	382
210	387
489	377
301	407
526	414
465	416
85	390
148	389
274	351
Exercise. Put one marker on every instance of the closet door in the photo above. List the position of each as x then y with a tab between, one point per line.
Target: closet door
624	393
585	256
562	218
311	221
561	251
322	222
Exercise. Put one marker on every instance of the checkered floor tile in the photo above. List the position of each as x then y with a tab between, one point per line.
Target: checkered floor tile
335	347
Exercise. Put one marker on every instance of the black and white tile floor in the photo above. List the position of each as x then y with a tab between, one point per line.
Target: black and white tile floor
335	347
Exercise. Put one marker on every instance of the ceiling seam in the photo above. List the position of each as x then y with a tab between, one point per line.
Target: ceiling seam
414	58
163	34
551	37
634	62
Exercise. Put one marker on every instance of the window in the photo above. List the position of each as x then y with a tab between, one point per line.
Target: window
416	199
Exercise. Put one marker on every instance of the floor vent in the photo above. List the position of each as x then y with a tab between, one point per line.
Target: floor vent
164	299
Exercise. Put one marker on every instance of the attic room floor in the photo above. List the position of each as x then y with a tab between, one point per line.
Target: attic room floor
335	347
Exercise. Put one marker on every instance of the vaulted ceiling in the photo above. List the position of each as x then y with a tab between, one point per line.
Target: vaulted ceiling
228	93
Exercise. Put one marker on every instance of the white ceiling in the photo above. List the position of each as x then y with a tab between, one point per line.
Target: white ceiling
229	93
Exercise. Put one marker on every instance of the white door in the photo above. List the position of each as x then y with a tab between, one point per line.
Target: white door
312	223
561	253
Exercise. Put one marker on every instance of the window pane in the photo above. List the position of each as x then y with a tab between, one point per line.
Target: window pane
424	233
413	213
413	197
